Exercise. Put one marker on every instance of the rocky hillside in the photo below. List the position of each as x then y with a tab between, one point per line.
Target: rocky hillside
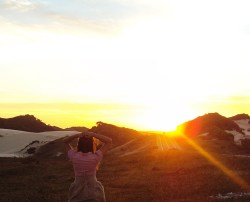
212	123
120	135
240	117
77	128
27	123
129	139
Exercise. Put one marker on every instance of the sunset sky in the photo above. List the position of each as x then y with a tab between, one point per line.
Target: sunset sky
144	64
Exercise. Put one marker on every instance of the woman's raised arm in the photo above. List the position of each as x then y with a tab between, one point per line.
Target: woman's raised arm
106	140
69	139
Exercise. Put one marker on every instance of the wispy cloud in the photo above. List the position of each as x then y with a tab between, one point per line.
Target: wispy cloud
107	17
20	5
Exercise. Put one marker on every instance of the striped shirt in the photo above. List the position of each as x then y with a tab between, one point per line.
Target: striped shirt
85	163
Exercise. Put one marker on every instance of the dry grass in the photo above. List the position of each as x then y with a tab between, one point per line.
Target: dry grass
151	176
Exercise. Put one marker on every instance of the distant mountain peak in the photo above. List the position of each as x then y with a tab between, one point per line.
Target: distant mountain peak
27	123
240	117
205	123
120	135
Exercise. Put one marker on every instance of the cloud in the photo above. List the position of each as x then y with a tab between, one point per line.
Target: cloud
108	18
67	18
20	5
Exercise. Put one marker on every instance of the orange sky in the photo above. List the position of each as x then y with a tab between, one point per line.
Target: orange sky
126	115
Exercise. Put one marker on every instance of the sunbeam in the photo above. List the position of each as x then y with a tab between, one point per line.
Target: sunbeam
227	171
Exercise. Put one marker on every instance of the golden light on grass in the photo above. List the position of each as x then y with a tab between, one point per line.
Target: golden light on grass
227	171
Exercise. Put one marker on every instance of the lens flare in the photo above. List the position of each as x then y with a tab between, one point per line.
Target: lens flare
228	172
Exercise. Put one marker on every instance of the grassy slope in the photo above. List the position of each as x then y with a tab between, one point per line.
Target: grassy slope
147	176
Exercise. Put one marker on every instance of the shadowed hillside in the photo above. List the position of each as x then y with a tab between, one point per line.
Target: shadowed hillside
211	123
27	123
240	117
77	128
120	135
53	149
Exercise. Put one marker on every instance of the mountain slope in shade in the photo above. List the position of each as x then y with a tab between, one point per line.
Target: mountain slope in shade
119	135
240	117
129	141
244	124
77	128
27	123
125	140
243	121
16	143
209	123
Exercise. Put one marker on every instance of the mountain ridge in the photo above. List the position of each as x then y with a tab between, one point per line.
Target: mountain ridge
27	123
212	123
192	128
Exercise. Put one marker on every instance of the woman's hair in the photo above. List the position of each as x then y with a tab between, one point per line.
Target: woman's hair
86	145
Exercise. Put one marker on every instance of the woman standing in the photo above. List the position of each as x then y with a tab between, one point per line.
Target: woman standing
85	160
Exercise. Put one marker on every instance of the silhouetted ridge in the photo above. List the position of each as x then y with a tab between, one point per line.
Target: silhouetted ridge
120	135
26	123
77	128
208	123
240	117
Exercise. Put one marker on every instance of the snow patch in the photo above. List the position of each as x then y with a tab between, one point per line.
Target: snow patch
231	195
237	155
59	153
203	134
242	156
237	136
244	124
15	143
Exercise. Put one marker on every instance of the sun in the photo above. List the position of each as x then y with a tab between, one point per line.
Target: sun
161	117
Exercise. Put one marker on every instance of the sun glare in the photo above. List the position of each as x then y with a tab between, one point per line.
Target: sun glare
162	117
227	171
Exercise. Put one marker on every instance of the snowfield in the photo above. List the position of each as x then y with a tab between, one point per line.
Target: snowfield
237	136
243	124
231	195
14	143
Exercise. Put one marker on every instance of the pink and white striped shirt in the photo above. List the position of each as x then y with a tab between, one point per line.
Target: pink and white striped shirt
85	163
